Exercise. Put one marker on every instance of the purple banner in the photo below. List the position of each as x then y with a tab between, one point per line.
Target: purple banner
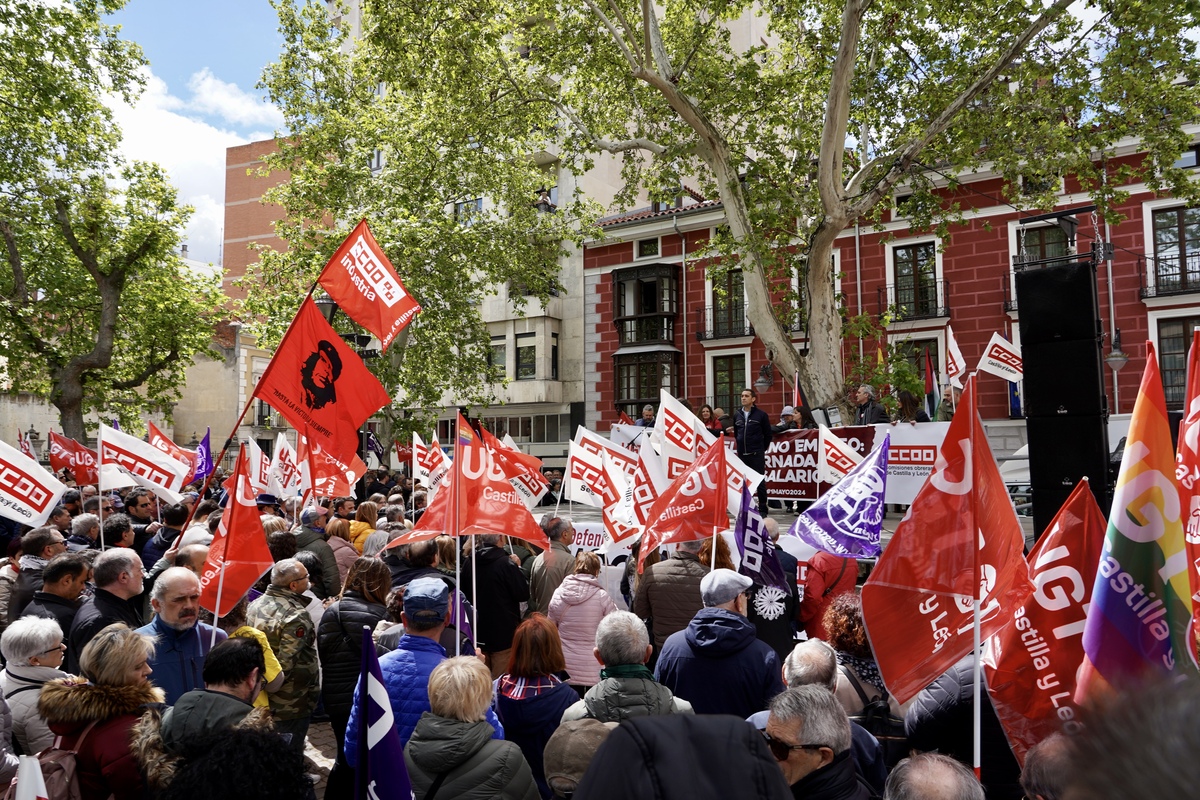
756	551
847	520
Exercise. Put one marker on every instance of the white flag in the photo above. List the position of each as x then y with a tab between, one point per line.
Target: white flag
836	457
30	783
28	491
148	465
258	466
1001	357
283	479
956	365
430	465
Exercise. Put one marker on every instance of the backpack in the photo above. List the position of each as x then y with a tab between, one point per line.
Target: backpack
58	770
877	719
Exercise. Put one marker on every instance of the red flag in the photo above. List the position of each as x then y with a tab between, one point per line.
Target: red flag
624	419
959	540
361	280
26	445
694	506
487	502
320	385
239	548
403	454
1031	673
180	454
1187	473
69	454
329	475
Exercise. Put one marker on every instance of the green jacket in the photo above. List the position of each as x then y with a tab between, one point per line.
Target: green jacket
283	617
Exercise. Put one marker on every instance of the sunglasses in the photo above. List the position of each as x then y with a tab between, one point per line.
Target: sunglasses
782	750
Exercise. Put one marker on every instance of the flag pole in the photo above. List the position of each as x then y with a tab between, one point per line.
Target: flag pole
220	595
978	684
100	477
973	384
454	528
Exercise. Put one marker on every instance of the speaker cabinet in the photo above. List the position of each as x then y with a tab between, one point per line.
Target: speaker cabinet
1064	378
1058	302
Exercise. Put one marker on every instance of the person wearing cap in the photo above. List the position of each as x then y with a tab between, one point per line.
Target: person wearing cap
718	663
310	536
406	669
570	751
268	504
786	422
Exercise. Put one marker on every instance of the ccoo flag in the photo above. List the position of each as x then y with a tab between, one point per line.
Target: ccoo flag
848	519
379	770
362	281
1140	621
756	551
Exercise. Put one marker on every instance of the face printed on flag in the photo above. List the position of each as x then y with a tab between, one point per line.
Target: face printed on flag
320	385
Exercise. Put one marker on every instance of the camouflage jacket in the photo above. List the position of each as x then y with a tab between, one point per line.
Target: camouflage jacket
283	617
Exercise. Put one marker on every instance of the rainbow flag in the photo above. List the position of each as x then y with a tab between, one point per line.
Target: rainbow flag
1139	621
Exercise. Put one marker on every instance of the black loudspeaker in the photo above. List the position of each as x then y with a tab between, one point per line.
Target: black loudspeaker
1047	501
1058	302
1062	451
1064	378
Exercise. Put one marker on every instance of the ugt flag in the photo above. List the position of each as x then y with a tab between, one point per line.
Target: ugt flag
1140	621
756	551
362	281
238	555
320	385
960	542
379	770
848	519
70	454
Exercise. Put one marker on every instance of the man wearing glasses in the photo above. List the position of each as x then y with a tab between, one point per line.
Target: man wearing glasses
38	546
139	505
808	732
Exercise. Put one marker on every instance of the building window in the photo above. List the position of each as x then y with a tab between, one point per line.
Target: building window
647	248
1177	250
526	357
498	356
913	351
267	446
1041	243
262	416
729	305
728	380
639	378
467	212
1190	158
646	302
915	292
1174	339
554	356
376	160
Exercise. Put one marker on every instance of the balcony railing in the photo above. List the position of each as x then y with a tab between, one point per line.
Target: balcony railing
722	322
1010	300
925	300
650	328
1161	276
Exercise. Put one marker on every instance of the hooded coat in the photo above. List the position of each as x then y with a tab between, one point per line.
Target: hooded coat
719	665
313	540
105	764
577	607
344	554
477	767
22	684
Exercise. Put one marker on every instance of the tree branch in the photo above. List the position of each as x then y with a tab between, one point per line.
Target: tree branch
639	143
908	154
155	365
654	42
86	257
20	289
633	61
629	32
837	111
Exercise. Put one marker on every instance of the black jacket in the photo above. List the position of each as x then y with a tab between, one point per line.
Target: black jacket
51	606
339	644
29	583
502	588
837	780
94	616
871	413
940	718
753	435
683	757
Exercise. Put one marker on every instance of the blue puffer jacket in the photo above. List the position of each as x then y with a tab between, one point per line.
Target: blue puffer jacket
406	673
719	666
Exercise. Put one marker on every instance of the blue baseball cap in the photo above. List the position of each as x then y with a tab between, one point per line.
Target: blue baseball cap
426	600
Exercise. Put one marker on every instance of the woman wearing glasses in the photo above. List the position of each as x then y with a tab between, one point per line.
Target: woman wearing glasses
33	650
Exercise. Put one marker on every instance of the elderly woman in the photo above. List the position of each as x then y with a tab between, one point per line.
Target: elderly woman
578	605
33	650
453	742
338	533
531	697
95	713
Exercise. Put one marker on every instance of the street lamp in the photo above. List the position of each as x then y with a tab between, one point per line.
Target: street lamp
766	377
1116	359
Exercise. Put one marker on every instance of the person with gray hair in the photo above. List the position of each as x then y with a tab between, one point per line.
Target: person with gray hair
808	733
669	592
85	533
869	411
181	641
282	615
552	565
495	587
932	776
118	575
1047	766
627	687
33	651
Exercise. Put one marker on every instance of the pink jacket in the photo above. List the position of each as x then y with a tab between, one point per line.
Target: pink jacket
345	555
577	607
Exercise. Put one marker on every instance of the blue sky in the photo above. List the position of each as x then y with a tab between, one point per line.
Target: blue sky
205	58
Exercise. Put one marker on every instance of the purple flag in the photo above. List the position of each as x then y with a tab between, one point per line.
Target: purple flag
116	425
846	520
204	462
374	446
380	771
756	551
459	618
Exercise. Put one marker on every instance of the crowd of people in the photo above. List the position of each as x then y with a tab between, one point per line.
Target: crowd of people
510	671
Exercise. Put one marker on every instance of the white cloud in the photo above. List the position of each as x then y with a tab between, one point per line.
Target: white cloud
189	137
213	96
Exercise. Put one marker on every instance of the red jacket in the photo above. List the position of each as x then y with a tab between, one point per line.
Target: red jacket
827	576
105	764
